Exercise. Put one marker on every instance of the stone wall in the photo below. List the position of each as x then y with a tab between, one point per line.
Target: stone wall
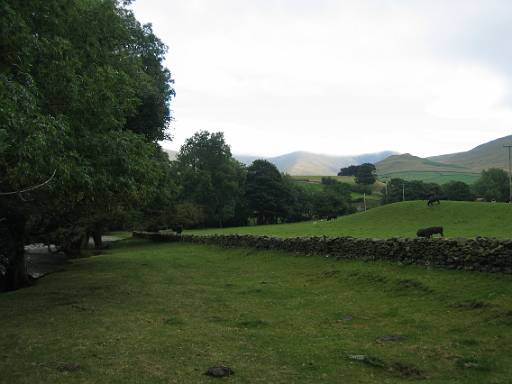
480	254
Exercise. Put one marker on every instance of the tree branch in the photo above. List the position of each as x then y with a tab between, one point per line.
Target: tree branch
34	187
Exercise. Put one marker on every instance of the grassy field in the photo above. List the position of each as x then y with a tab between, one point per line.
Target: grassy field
433	177
164	313
459	219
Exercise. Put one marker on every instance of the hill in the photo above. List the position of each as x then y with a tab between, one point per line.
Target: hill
411	167
311	164
487	155
460	219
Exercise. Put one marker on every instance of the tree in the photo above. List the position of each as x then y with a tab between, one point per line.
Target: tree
493	185
365	174
334	200
348	171
457	190
209	177
267	197
77	81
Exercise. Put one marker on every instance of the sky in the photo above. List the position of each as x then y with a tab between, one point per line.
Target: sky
338	77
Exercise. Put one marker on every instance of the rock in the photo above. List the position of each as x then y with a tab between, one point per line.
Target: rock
220	371
69	367
382	339
369	360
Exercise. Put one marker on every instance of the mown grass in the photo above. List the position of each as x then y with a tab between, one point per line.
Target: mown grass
164	313
459	219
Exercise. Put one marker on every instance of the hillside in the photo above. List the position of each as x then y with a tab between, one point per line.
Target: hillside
460	219
310	164
411	167
408	162
484	156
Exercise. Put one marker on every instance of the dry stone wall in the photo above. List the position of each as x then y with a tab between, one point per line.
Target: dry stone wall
480	254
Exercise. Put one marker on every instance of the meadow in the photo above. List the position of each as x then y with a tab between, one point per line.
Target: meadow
438	177
163	313
459	219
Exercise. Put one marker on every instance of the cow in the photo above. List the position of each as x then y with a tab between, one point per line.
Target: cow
433	199
429	232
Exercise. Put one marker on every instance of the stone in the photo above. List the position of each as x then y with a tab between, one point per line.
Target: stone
382	339
220	371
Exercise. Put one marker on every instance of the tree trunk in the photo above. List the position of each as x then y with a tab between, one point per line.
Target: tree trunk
96	235
14	249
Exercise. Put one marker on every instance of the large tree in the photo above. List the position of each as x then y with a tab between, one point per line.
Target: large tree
83	95
267	195
210	178
493	185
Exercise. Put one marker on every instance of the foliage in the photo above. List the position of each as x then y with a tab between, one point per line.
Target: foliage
398	189
457	190
351	170
365	174
493	184
210	178
83	93
268	197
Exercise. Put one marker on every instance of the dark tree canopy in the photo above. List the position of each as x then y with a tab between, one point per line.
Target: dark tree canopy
493	185
83	93
266	192
365	174
210	178
457	190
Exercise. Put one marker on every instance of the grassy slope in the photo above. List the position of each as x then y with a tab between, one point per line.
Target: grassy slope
410	167
163	313
434	177
487	155
467	219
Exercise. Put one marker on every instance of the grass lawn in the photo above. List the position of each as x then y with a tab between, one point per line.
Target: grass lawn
163	313
459	219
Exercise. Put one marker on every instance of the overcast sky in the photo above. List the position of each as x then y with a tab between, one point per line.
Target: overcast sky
338	77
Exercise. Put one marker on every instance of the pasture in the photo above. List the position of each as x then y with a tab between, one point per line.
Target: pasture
163	313
459	219
438	177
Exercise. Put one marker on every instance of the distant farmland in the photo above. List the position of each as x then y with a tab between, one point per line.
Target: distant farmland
433	177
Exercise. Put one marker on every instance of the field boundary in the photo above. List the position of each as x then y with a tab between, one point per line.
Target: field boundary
480	254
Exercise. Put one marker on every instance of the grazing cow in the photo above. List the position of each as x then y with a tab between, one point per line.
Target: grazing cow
433	199
428	232
331	217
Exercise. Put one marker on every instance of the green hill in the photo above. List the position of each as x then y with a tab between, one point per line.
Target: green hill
487	155
460	219
461	166
409	167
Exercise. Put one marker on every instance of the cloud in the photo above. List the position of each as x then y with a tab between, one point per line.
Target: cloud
338	77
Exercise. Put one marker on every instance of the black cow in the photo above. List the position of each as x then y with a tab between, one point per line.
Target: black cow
433	199
428	232
332	217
